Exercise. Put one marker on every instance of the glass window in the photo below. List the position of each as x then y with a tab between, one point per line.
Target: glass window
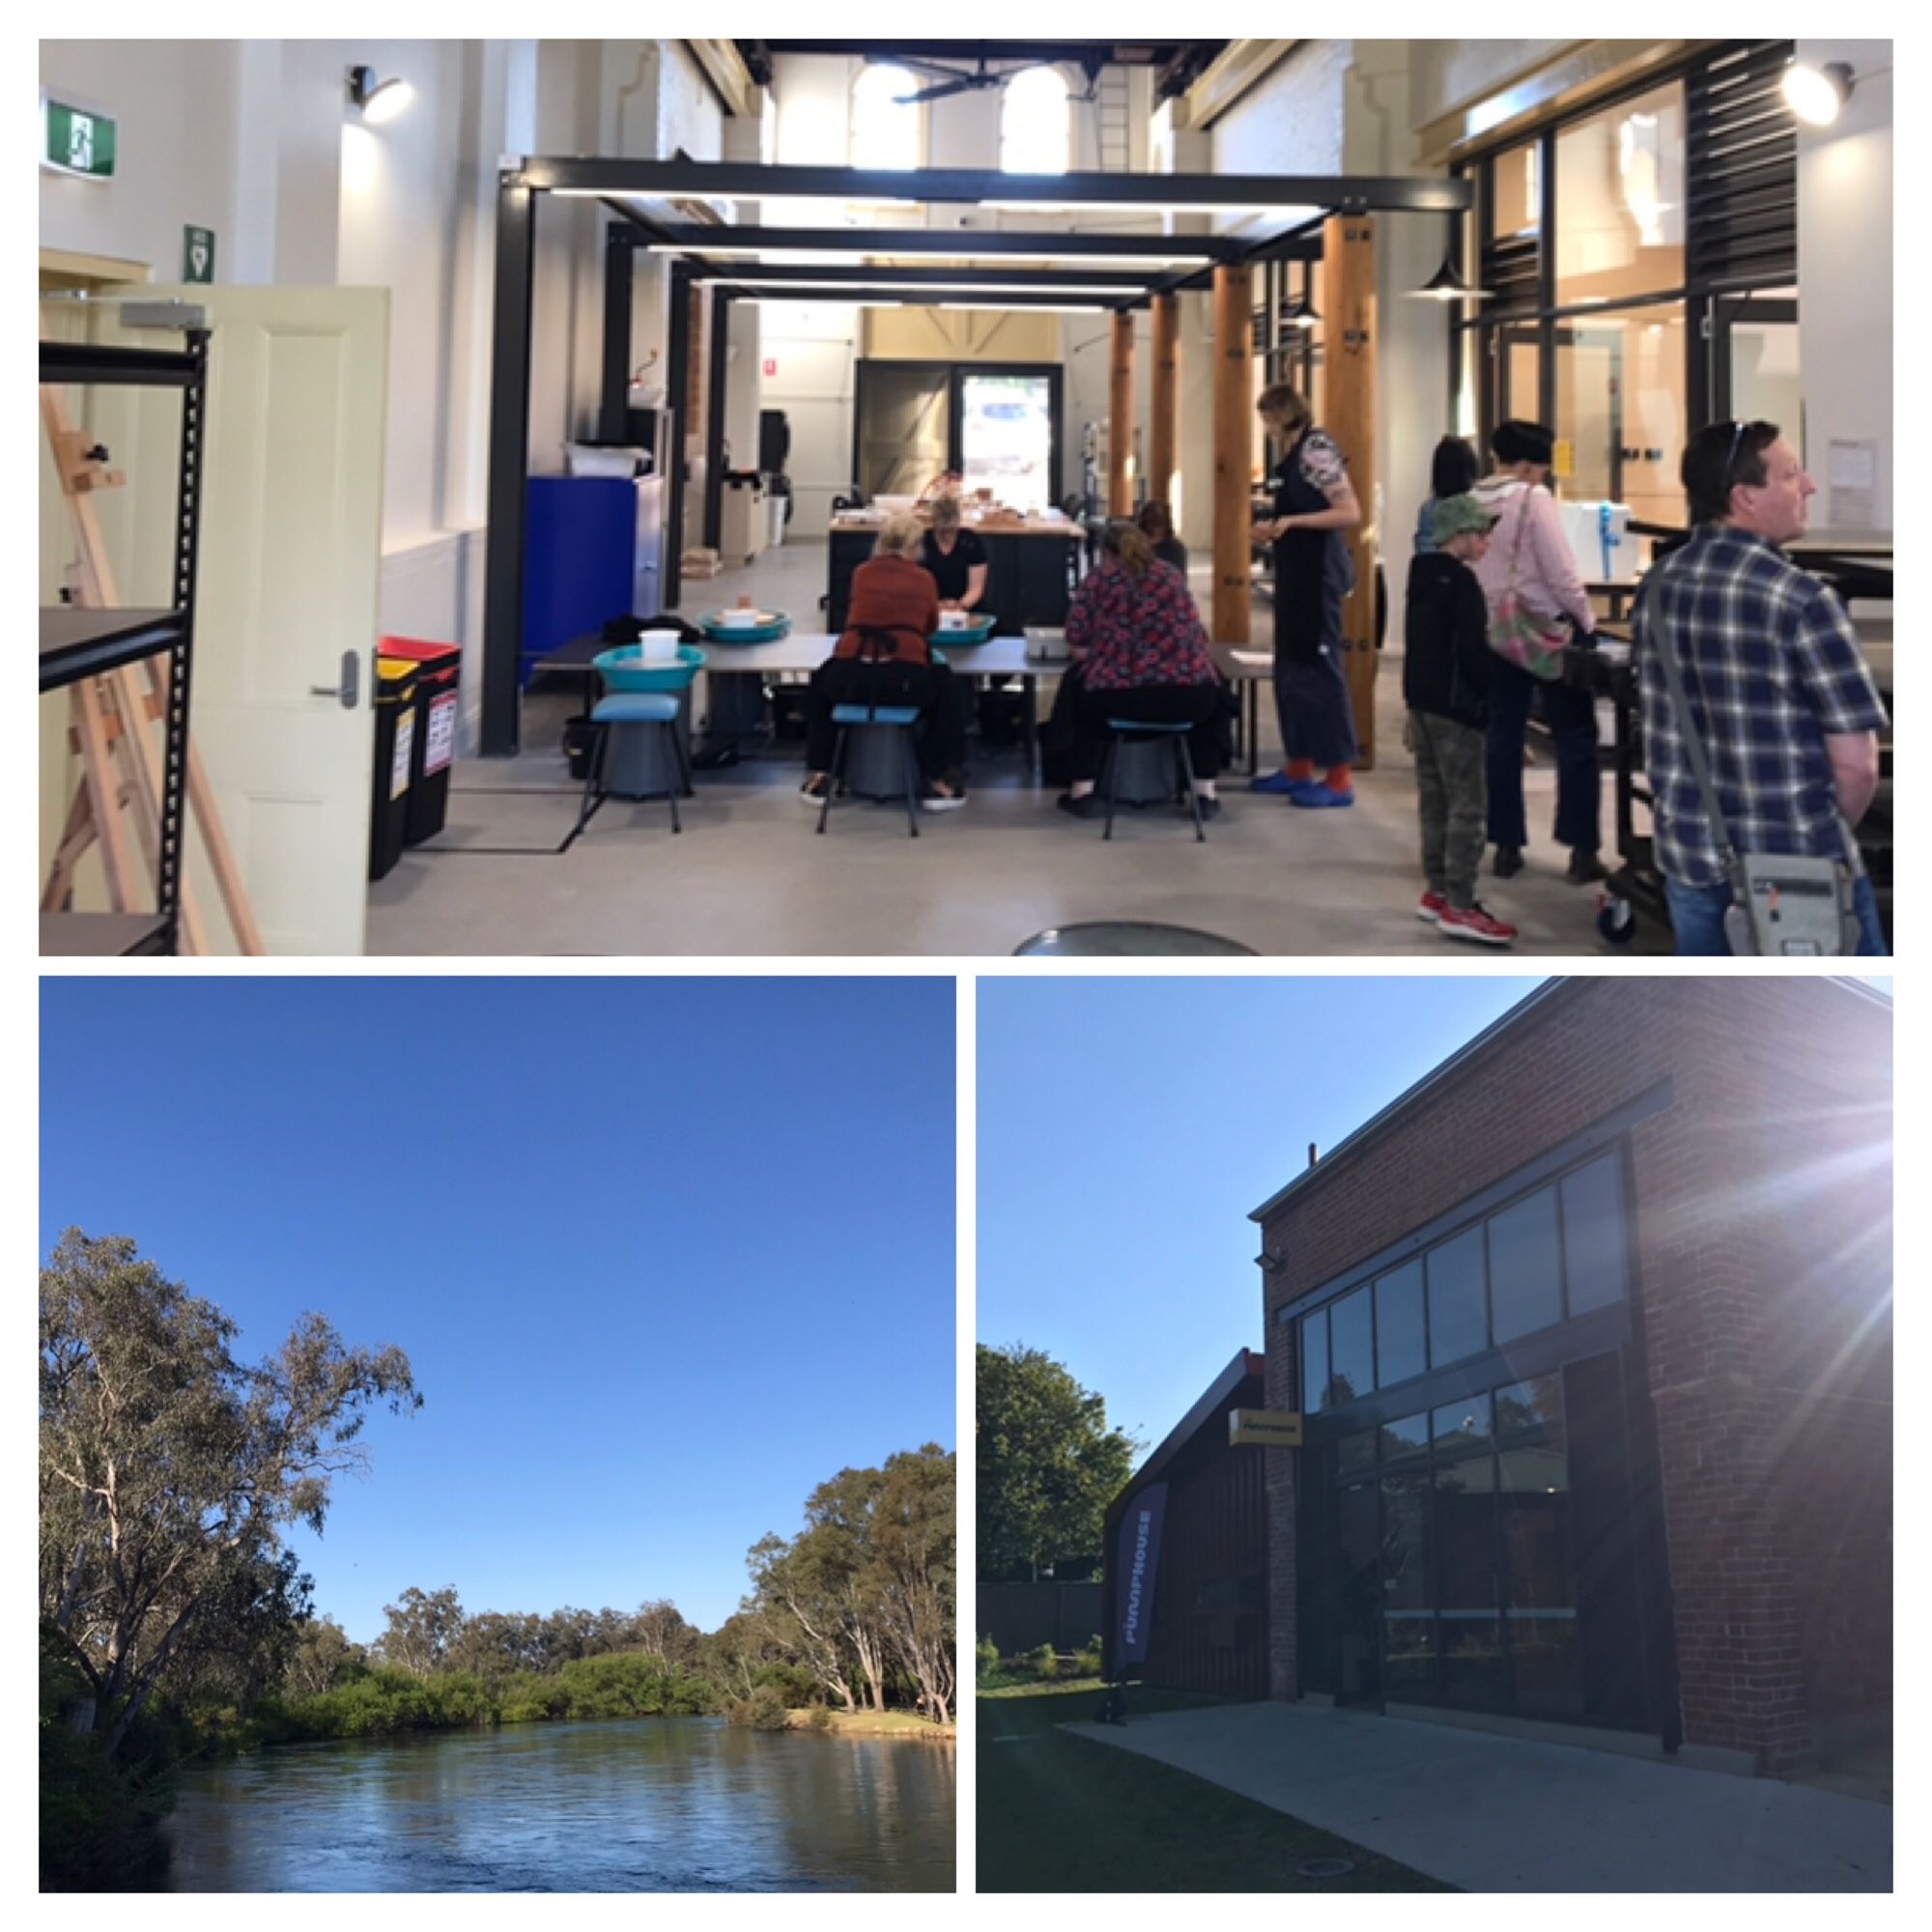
885	123
1036	123
1537	1404
1621	413
1407	1437
1472	1660
1458	1326
1472	1667
1525	1275
1399	1341
1462	1425
1620	200
1593	1235
1409	1595
1515	206
1351	1354
1356	1454
1539	1579
1314	1360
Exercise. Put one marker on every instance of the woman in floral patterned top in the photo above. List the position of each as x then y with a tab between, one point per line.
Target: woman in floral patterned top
1141	653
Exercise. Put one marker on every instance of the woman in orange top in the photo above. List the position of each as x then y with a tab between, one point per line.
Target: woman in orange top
883	659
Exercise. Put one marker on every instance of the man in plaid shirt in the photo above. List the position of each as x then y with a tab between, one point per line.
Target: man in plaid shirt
1778	689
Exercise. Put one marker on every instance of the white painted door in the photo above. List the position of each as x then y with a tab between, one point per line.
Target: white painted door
290	556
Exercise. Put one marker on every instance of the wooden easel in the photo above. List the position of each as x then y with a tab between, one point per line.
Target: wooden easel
111	717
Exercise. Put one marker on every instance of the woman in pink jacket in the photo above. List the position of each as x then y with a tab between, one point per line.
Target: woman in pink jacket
1528	546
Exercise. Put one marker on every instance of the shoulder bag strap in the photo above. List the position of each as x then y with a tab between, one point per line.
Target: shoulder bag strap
1700	766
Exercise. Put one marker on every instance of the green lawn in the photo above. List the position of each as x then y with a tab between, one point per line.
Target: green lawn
1060	1814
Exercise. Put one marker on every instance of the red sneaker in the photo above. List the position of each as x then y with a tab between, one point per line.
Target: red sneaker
1474	922
1433	905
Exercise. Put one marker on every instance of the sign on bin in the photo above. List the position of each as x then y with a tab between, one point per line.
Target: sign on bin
399	763
439	745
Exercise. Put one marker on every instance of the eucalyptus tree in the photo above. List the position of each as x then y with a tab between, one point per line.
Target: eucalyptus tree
915	1569
421	1628
168	1471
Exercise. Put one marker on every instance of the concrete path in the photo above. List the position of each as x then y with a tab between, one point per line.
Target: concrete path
1499	1815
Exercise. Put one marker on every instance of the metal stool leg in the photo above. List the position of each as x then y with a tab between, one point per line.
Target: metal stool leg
681	751
832	777
1113	779
674	779
1193	798
593	792
909	758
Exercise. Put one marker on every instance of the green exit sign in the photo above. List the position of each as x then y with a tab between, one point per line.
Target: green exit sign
77	140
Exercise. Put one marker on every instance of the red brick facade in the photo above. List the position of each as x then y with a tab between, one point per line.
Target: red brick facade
1762	1263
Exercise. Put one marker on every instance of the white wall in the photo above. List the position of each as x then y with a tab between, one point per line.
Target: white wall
1845	273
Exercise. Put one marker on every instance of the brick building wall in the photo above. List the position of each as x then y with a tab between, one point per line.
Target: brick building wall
1764	1295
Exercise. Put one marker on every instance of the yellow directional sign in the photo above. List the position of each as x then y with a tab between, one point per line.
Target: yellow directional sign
1270	1428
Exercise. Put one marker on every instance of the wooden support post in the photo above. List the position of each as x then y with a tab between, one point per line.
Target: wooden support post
1120	415
1163	400
1234	446
1348	406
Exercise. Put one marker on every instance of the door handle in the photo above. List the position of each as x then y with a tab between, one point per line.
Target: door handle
346	691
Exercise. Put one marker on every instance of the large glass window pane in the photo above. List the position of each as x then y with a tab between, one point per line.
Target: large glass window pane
1355	1455
1466	1529
1593	1234
1407	1437
1620	200
1472	1660
1005	439
1314	1360
1525	1274
1458	1326
1536	1404
1516	203
1462	1425
1408	1617
1539	1579
1399	1342
1621	412
1351	1354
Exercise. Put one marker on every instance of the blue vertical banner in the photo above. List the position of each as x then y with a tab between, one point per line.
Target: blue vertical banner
1139	1563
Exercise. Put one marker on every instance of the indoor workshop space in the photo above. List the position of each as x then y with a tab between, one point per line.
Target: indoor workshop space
965	498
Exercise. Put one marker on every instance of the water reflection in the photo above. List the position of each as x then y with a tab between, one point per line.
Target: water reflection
658	1805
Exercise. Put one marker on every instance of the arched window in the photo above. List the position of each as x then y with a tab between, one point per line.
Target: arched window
885	126
1036	123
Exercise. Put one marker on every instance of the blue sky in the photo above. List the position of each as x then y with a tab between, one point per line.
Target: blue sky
661	1259
1128	1125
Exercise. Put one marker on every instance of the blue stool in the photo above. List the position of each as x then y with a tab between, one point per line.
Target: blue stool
898	719
657	708
1132	730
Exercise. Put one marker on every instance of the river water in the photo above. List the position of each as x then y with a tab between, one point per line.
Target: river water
651	1804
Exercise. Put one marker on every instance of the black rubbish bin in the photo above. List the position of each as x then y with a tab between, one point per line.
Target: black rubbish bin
396	721
434	749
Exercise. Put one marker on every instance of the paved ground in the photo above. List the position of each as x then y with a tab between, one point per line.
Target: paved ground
1498	1814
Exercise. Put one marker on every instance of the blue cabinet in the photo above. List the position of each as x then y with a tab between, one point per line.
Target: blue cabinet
580	558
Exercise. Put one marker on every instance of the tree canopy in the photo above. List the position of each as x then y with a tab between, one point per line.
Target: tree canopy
168	1471
1048	1464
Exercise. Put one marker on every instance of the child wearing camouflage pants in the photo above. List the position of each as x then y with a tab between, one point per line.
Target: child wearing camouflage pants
1444	683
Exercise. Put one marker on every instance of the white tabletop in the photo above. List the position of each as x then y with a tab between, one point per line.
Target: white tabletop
806	651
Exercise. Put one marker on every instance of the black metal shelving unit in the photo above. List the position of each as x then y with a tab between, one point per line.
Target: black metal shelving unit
78	644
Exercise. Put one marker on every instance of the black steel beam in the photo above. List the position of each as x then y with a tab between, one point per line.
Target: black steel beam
917	298
702	238
714	427
99	362
757	181
509	465
621	259
677	383
1038	281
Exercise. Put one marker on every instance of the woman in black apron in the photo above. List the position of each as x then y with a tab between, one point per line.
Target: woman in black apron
1314	503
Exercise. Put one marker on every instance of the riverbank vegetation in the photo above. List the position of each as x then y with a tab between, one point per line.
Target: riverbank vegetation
175	1620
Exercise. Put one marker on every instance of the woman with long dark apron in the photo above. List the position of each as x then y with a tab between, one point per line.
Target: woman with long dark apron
1314	503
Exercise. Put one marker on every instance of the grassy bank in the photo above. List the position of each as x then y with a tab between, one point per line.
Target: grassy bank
1064	1813
873	1724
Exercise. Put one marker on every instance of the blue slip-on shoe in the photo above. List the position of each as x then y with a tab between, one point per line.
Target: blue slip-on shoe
1280	782
1319	798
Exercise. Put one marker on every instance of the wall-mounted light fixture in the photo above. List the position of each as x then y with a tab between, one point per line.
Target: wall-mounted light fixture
1269	1263
1817	95
377	101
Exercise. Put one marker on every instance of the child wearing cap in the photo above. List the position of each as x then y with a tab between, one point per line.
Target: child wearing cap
1445	677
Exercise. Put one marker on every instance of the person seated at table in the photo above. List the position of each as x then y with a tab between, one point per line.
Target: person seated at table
954	556
883	659
1141	653
1156	525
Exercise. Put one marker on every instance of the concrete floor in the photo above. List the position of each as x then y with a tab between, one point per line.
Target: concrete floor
747	876
1502	1814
